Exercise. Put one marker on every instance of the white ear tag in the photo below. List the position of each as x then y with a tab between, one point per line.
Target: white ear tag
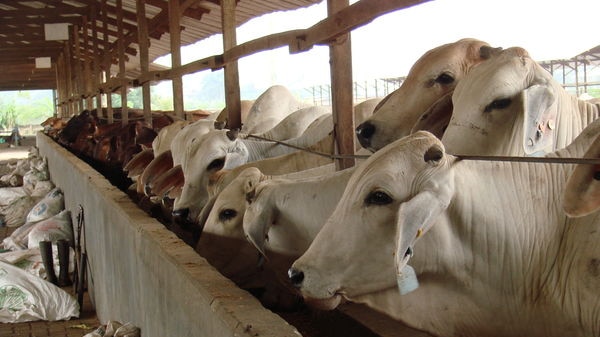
407	280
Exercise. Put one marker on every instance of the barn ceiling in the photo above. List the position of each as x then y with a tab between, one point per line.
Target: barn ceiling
23	33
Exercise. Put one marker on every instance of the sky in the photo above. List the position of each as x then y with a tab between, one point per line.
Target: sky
389	45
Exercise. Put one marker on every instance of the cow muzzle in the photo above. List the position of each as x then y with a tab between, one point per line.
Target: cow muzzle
181	217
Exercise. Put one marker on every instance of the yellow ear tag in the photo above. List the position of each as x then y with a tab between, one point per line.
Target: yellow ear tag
419	232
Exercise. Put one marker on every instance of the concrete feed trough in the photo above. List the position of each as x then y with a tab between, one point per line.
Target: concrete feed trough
140	272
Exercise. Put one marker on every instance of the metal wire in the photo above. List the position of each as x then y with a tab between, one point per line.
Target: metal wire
548	160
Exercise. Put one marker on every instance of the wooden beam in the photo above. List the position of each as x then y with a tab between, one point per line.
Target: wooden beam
175	33
144	44
74	20
351	17
121	49
106	61
232	77
340	60
87	54
42	12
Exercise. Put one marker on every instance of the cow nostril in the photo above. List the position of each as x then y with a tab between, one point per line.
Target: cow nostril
181	213
365	130
296	276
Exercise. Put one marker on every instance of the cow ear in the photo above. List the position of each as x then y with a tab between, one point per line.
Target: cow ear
436	118
258	219
415	217
539	119
582	192
205	212
434	155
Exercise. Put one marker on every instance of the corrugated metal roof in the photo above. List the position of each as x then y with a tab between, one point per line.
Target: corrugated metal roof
22	32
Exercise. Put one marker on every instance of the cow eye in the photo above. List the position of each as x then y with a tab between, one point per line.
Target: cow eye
216	164
227	214
498	104
378	198
444	78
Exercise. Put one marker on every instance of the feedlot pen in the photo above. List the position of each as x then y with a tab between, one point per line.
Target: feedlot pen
140	272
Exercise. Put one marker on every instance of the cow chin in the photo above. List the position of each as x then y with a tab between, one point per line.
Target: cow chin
324	303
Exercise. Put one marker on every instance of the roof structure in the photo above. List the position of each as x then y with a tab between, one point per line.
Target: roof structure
578	73
23	31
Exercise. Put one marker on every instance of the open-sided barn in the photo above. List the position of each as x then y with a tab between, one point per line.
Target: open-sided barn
140	270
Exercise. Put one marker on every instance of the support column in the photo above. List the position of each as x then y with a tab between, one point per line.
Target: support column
175	33
144	43
232	77
340	54
121	51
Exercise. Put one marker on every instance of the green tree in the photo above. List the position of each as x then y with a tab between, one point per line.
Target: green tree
8	114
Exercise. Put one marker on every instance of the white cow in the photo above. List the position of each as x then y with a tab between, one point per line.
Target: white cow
296	123
270	108
582	194
494	253
222	149
434	75
511	105
275	160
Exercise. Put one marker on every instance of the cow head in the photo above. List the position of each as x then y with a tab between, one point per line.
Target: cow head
221	222
390	201
434	75
504	106
204	156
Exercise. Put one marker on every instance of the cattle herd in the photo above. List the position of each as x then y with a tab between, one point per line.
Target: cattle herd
450	246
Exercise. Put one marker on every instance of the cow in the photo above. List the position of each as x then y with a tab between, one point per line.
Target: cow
491	251
434	75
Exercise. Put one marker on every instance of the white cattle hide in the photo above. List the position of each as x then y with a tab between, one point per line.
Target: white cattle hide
268	157
582	194
510	105
165	136
494	253
296	123
221	149
270	108
433	75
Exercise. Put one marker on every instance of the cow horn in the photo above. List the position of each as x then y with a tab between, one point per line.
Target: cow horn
485	52
232	134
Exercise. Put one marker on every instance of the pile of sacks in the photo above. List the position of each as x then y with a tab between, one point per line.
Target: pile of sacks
21	189
42	243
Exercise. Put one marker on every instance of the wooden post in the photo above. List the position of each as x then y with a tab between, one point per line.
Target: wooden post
108	61
86	65
77	70
144	44
69	78
97	78
175	33
340	53
59	98
122	77
232	77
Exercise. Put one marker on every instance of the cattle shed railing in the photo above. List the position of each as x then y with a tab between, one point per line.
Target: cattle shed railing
140	272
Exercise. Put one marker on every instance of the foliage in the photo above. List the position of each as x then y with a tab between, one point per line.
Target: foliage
25	107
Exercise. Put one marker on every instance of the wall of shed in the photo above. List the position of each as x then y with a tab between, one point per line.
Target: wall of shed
142	273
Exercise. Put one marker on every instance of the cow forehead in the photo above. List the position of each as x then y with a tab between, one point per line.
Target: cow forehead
204	147
402	158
